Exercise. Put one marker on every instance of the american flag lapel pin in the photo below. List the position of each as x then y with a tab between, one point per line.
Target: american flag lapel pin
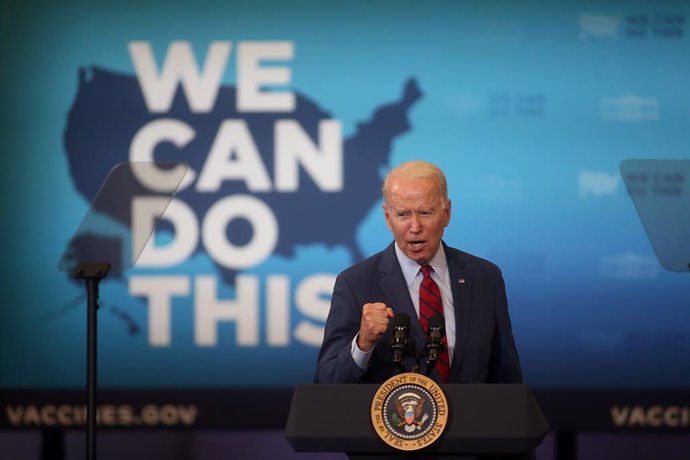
461	281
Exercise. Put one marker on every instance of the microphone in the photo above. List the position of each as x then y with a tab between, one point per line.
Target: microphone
434	345
399	347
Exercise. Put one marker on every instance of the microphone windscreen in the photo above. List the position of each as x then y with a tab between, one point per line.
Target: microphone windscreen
401	320
437	321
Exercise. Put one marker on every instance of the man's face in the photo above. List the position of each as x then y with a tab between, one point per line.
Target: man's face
417	216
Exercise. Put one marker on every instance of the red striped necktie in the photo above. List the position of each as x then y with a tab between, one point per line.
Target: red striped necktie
431	303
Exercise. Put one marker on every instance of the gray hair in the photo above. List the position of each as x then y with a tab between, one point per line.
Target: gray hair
417	169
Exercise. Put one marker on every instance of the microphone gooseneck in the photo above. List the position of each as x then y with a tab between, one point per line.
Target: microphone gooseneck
434	345
399	346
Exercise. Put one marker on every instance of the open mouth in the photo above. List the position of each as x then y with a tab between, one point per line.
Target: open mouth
416	244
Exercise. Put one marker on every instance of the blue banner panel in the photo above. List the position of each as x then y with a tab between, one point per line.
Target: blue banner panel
289	114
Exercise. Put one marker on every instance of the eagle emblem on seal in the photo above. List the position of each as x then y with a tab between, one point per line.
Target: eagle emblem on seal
409	408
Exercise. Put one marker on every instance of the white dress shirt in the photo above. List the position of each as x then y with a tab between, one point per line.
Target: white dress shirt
413	278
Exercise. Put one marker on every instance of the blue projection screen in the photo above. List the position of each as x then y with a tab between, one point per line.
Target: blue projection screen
289	114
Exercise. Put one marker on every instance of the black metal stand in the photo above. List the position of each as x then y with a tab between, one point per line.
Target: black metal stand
92	273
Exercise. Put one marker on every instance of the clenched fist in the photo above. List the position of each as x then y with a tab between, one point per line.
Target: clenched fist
375	317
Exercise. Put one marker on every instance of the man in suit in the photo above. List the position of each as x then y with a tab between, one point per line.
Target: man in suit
480	344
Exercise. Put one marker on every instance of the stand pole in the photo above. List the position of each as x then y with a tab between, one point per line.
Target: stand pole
92	273
91	367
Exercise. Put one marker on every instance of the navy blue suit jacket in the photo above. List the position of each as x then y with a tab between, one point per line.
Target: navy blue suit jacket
484	346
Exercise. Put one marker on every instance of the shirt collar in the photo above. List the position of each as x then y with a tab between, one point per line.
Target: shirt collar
410	268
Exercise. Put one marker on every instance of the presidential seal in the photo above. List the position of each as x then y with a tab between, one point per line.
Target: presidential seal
409	411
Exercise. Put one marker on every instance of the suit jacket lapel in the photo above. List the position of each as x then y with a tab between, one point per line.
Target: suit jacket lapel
392	283
461	287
